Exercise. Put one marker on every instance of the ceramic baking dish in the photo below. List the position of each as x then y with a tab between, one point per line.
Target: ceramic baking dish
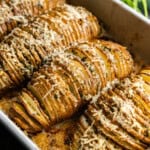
123	24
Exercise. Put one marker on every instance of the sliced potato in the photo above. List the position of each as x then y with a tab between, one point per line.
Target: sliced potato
33	108
89	64
19	115
113	131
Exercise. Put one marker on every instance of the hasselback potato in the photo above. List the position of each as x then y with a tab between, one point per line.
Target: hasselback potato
119	119
67	81
77	92
15	12
27	47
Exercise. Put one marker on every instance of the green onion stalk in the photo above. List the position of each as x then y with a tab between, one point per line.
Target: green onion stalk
141	6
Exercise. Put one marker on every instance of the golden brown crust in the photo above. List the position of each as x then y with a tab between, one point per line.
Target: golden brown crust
27	47
120	114
122	59
67	82
22	119
117	116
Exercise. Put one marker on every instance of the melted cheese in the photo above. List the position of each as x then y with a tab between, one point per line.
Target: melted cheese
20	18
92	141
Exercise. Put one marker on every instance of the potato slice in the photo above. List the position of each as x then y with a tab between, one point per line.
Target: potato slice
19	115
113	131
125	112
84	57
67	78
137	90
63	99
11	64
104	60
85	137
122	58
140	115
79	72
33	108
25	52
5	81
99	59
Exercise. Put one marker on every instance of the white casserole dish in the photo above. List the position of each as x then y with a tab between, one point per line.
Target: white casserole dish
123	24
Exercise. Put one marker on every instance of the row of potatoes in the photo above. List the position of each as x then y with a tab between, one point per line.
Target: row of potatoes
67	72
